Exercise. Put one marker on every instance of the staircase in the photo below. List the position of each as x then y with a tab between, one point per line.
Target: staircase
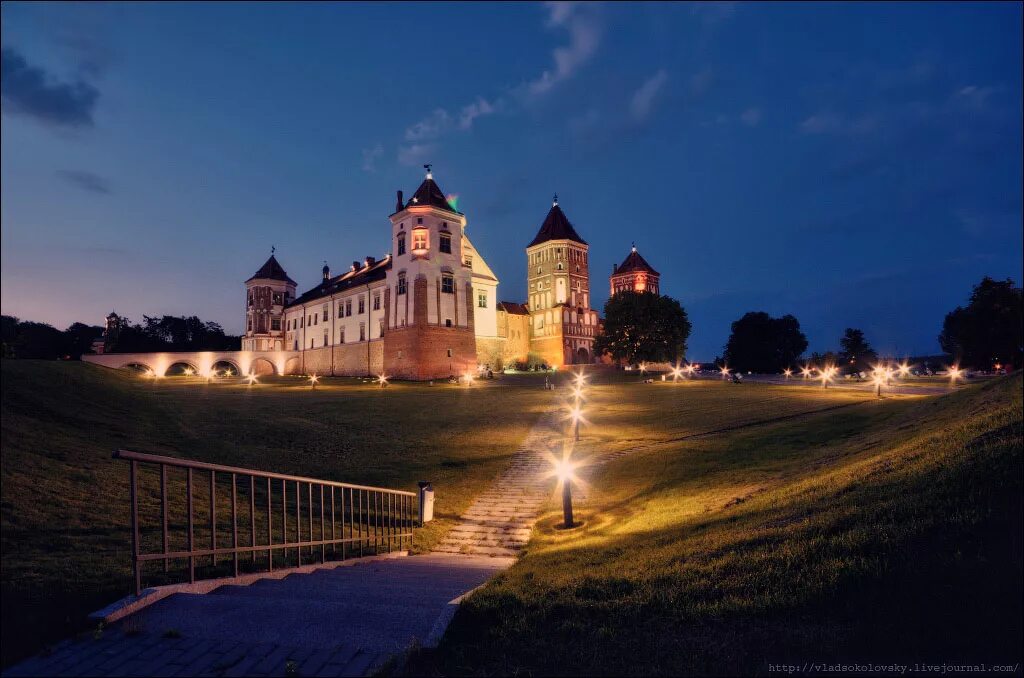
345	621
499	521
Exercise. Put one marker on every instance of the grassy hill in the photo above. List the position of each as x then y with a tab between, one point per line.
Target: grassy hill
64	501
883	532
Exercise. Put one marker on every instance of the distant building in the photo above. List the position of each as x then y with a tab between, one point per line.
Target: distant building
563	326
634	274
106	341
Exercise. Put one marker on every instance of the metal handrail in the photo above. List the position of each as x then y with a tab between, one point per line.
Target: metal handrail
373	516
219	468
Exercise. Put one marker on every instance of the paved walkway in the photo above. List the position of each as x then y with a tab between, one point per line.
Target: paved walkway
345	621
500	520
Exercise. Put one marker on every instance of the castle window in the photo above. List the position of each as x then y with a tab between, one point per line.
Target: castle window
348	307
362	305
449	353
467	260
560	267
419	239
447	284
419	220
277	298
381	333
275	324
250	324
326	338
446	243
481	299
401	283
302	321
401	244
362	331
341	310
376	302
312	342
448	322
325	312
341	336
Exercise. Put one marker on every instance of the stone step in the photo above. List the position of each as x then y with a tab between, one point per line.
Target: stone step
495	551
480	529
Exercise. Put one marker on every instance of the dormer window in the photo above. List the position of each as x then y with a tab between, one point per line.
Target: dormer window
446	243
419	240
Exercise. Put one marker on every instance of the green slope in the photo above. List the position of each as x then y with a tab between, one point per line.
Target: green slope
872	534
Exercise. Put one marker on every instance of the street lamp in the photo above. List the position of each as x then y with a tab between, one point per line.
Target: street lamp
806	371
676	373
564	471
576	415
826	375
788	372
382	380
904	369
954	373
879	378
251	378
313	379
725	372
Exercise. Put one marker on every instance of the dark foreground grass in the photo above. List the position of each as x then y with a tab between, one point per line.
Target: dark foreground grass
875	533
65	537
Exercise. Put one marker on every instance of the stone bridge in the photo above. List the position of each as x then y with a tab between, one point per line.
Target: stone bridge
203	363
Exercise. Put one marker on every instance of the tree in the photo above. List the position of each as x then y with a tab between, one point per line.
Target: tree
39	340
854	348
8	332
989	329
80	337
761	343
642	326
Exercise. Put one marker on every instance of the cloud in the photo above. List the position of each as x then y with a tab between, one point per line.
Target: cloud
87	181
415	154
477	109
751	117
430	127
821	123
584	38
701	82
642	103
370	156
31	91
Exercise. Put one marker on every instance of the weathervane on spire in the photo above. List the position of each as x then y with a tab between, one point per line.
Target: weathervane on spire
634	247
272	249
428	167
554	201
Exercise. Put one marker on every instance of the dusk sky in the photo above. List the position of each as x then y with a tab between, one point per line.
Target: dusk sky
854	165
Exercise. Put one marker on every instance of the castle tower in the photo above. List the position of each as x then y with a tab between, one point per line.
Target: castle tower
634	274
429	296
562	324
267	293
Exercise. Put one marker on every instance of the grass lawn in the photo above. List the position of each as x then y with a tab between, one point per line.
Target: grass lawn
65	536
884	531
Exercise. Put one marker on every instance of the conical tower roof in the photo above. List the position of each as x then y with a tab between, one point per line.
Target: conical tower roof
430	194
556	227
271	270
635	262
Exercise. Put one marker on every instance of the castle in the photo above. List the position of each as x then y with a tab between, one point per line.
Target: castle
427	310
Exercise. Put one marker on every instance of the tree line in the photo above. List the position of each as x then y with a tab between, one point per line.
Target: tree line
645	327
27	339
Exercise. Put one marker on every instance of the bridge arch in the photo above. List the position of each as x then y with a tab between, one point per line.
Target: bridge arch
224	367
181	368
293	366
137	366
262	367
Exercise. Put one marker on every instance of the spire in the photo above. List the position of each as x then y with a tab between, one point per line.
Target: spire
271	270
556	227
327	271
554	201
634	262
429	194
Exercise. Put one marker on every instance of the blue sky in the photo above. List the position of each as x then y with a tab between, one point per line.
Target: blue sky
854	165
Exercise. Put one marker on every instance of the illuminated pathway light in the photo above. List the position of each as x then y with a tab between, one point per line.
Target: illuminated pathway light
724	371
788	372
251	378
954	373
382	380
313	379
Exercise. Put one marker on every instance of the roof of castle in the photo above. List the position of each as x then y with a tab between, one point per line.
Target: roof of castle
556	227
513	308
429	194
634	262
271	270
362	275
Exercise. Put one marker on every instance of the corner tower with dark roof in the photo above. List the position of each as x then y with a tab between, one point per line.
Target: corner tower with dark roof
429	296
634	274
562	324
267	292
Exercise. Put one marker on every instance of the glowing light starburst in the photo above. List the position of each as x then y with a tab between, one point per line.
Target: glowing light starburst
251	378
382	380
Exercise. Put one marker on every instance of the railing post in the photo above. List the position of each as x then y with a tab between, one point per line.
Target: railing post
252	516
323	534
163	511
234	520
213	518
298	525
191	530
270	531
134	492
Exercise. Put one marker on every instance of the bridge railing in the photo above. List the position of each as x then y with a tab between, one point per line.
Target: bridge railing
253	520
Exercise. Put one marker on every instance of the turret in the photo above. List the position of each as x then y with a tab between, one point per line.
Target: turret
267	292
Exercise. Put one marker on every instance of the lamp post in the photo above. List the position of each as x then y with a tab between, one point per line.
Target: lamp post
725	372
313	379
564	471
251	379
954	373
788	372
382	380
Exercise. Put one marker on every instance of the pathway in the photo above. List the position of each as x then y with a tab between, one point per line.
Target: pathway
500	520
336	621
342	621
